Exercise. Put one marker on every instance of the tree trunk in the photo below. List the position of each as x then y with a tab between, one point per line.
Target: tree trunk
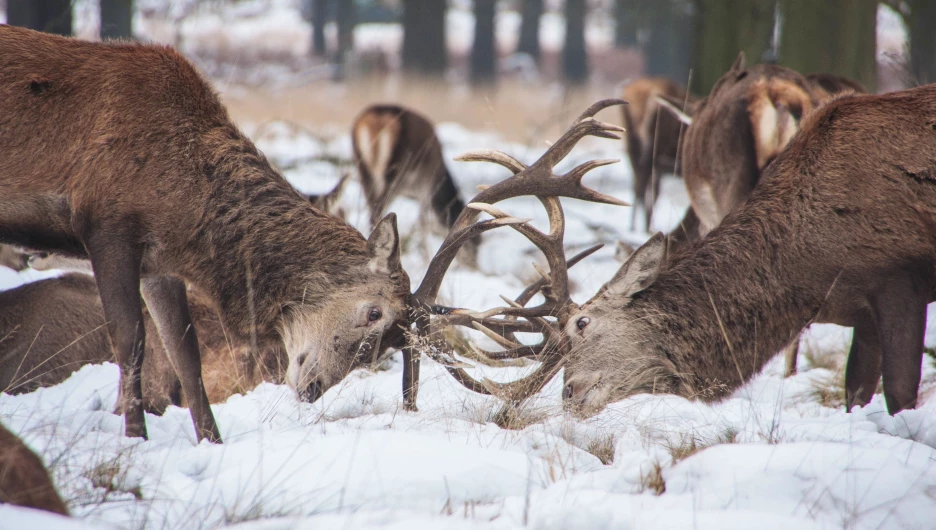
668	48
922	40
574	55
833	36
116	19
724	28
483	51
52	16
626	23
424	50
346	18
529	28
319	18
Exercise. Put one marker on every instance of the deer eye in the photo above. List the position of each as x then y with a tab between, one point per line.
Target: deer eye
374	314
582	323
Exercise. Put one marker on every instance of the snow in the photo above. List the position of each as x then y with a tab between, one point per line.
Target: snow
772	455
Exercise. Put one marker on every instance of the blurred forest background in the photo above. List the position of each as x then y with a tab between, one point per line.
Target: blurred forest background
483	61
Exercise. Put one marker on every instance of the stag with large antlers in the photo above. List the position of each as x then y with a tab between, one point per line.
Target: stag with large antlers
500	324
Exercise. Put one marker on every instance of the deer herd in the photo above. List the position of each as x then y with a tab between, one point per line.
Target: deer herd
810	202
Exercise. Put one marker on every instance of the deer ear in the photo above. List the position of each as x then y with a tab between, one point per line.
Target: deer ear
383	247
738	64
641	269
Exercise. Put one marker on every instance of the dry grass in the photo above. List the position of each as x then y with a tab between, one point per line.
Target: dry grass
521	112
652	480
690	444
602	447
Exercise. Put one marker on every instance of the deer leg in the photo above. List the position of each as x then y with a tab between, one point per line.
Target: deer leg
901	325
167	302
863	367
790	355
410	378
116	264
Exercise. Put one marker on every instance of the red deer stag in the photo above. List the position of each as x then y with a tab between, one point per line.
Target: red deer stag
652	138
24	481
839	230
143	172
50	328
500	324
398	153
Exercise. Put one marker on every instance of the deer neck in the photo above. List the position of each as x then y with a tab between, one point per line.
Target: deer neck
266	247
726	306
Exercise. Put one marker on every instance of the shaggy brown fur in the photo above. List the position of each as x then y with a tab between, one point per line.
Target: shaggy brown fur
143	172
652	138
840	230
24	481
51	328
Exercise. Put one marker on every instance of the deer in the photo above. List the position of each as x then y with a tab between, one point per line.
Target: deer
838	230
330	202
24	480
652	137
398	153
52	327
748	118
144	174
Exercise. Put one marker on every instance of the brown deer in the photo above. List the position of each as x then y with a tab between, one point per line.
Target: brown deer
24	480
748	118
398	153
143	172
652	137
52	327
839	230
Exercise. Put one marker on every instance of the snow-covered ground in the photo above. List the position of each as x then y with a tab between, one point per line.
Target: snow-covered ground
771	456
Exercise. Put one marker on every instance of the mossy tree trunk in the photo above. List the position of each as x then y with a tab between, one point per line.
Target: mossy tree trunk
424	50
532	11
51	16
484	50
834	36
574	54
723	28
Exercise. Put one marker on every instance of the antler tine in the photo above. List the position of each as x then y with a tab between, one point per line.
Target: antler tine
535	287
576	174
490	155
598	106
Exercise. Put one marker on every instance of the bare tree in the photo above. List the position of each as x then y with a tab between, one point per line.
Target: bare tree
424	50
346	18
529	28
116	19
627	21
484	50
920	22
574	54
52	16
319	14
724	28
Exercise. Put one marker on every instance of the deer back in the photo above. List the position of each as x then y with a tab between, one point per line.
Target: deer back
24	480
748	118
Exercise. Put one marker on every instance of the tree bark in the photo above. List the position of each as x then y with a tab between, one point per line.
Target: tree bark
424	49
529	28
116	19
833	36
668	49
319	16
483	51
922	36
574	54
346	18
723	29
51	16
626	23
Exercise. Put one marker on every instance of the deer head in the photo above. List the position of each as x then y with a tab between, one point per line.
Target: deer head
500	324
349	327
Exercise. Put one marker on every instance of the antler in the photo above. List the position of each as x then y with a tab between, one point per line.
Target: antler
538	180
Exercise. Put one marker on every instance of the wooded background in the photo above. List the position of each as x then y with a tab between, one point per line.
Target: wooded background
673	36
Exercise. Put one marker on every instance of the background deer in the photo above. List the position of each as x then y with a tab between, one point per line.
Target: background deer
398	153
50	328
24	480
838	230
652	138
144	174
